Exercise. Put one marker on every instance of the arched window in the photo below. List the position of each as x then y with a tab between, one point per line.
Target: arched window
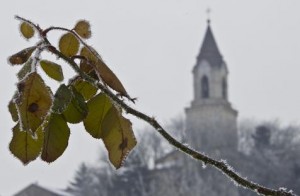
224	88
204	87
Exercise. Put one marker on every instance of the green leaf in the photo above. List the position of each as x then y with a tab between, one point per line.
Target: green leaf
53	70
86	89
26	30
77	110
22	56
26	69
33	102
83	29
56	137
13	109
68	45
117	136
98	107
62	99
25	146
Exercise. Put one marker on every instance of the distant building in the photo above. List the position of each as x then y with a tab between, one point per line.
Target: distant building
37	190
211	122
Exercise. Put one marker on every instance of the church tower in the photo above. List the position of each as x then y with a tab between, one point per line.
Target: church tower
211	122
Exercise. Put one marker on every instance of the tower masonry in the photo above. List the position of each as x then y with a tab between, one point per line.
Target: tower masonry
211	122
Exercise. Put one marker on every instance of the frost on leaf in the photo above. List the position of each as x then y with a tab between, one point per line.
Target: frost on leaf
56	137
83	29
68	45
25	146
22	56
62	99
13	109
77	110
86	89
53	70
103	71
98	107
26	69
117	136
26	30
33	101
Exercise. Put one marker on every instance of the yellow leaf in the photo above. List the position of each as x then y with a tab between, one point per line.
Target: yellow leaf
98	107
53	70
68	45
103	71
26	30
83	29
33	102
117	136
86	89
26	146
22	56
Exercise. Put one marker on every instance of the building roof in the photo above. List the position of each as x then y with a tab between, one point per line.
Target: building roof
209	50
36	189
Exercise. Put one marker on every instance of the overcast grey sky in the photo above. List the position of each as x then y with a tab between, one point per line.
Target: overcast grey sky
151	46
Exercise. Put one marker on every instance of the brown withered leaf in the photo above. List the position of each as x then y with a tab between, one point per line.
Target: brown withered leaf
83	29
22	56
104	72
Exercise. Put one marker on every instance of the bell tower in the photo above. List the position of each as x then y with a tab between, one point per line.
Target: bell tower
211	122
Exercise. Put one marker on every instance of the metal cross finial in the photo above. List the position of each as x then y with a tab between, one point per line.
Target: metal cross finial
208	11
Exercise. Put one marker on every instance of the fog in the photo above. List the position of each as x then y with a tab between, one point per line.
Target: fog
152	47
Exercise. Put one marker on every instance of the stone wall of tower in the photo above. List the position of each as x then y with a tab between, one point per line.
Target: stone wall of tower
212	128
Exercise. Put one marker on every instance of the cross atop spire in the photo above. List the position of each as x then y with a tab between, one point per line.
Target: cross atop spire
208	11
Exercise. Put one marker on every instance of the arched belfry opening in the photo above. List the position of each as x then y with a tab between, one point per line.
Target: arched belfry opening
224	89
204	87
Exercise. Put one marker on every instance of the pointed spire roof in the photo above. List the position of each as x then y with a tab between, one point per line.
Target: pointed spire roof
209	50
